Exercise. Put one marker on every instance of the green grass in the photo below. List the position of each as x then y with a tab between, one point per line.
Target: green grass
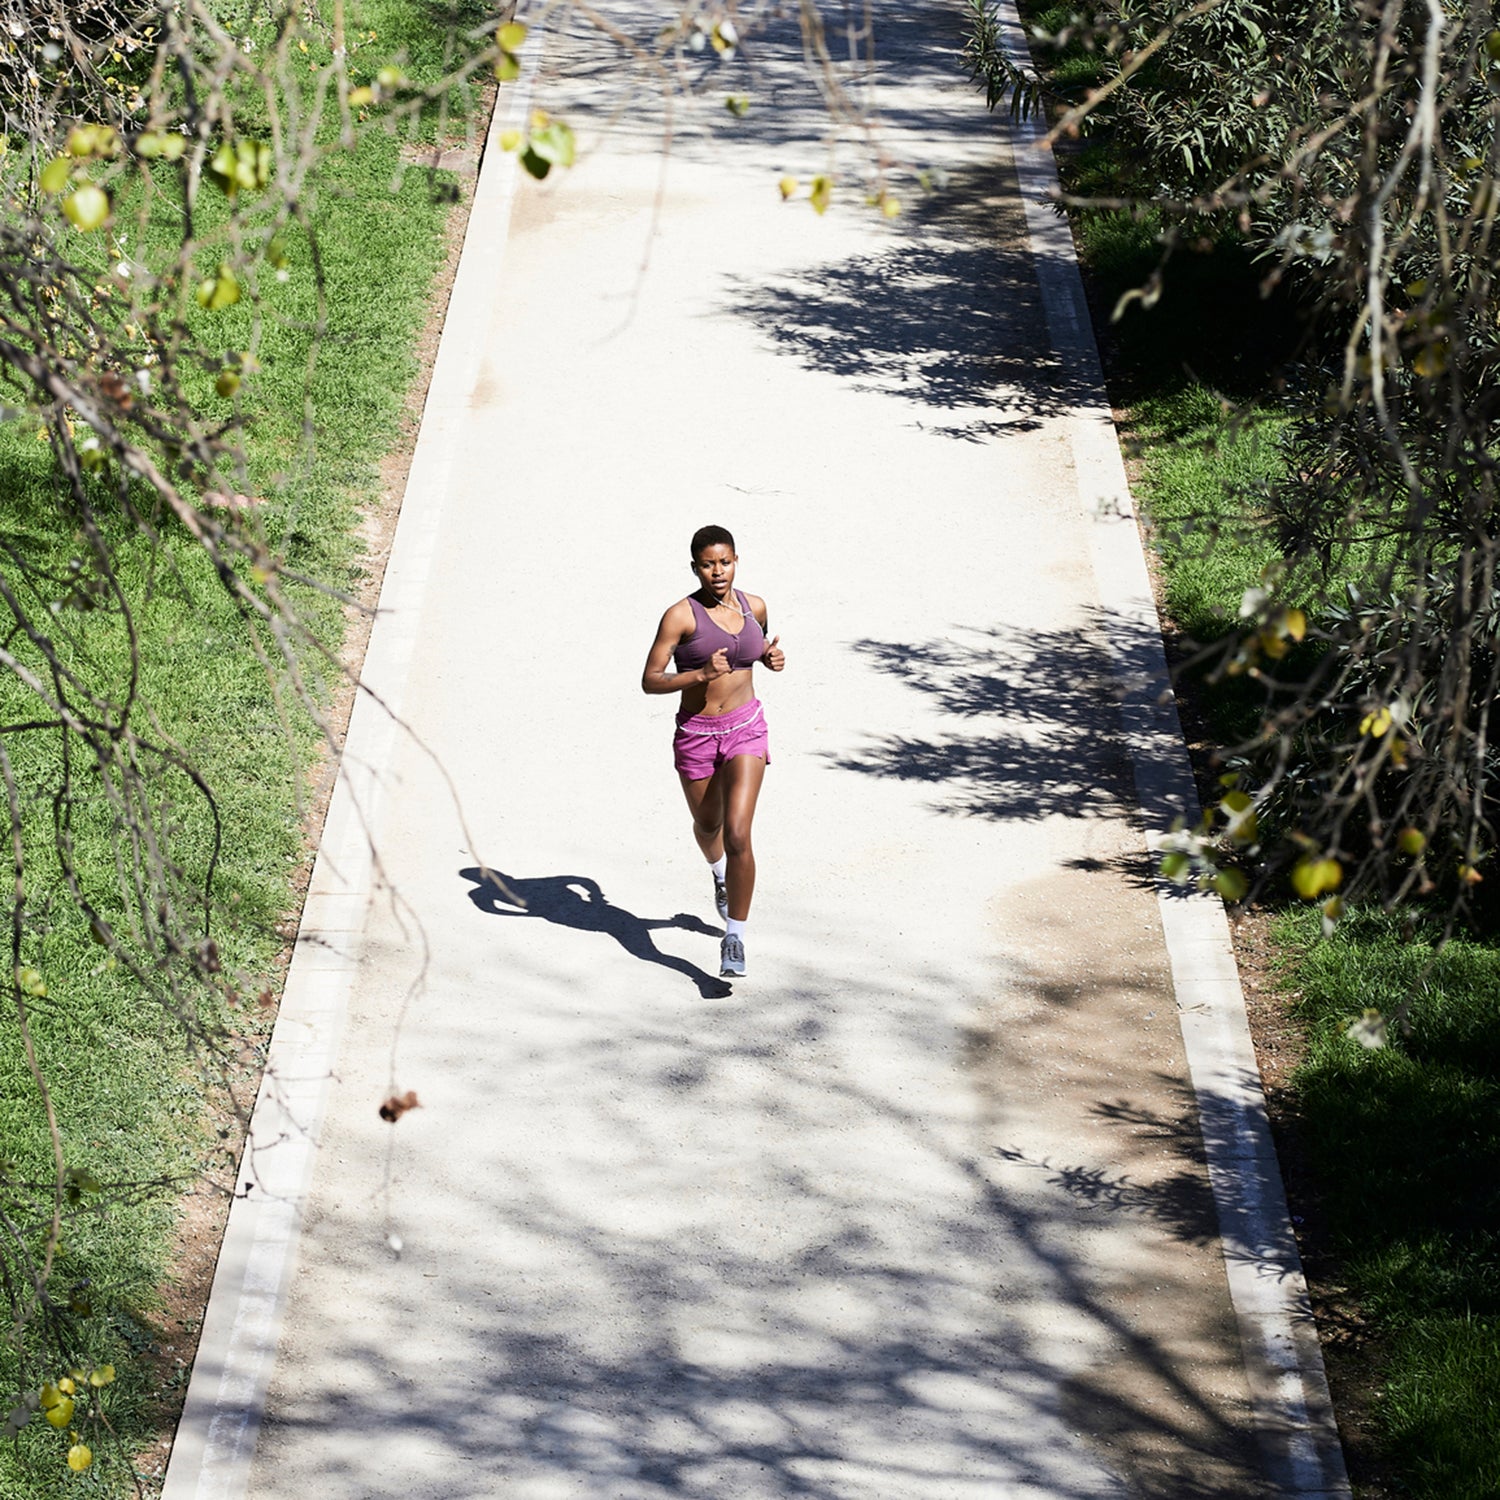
1201	466
1405	1144
123	1071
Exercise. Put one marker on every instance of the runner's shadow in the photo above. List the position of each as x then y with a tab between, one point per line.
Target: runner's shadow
576	901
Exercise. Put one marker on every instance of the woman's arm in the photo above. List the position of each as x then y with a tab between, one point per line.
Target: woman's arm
773	656
675	624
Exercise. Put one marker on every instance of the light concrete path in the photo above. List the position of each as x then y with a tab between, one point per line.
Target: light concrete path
920	1210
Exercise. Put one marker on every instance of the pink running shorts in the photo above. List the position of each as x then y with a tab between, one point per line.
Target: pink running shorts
703	742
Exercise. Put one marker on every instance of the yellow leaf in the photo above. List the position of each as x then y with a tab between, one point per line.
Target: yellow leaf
822	193
60	1413
1431	360
79	1457
1376	722
1239	812
361	96
507	67
509	139
511	35
92	140
890	205
104	1375
1294	622
66	1385
788	186
1411	841
1312	876
539	119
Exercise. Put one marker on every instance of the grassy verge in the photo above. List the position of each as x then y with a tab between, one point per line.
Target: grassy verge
125	1075
1400	1147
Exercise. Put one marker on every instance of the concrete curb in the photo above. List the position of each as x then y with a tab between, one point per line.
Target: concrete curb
215	1442
1293	1413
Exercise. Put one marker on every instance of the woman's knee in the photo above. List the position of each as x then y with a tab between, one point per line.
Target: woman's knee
736	839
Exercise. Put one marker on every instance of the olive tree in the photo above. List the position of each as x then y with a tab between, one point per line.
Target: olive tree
1354	150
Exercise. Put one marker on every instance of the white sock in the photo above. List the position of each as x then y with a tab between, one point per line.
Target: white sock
733	927
720	866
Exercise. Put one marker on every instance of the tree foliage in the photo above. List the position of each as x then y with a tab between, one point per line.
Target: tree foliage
1354	150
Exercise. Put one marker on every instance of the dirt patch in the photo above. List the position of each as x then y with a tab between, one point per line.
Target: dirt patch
181	1299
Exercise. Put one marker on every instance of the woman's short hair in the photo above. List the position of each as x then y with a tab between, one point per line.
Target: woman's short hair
710	536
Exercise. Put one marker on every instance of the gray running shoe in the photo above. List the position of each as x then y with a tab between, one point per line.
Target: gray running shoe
721	899
731	959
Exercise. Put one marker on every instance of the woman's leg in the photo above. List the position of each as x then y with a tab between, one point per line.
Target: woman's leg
741	777
705	801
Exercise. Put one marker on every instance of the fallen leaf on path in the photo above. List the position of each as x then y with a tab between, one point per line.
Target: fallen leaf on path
398	1104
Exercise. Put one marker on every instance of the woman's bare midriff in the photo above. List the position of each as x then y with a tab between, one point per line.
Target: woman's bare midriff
720	696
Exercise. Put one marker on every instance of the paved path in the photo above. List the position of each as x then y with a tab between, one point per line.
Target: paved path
920	1210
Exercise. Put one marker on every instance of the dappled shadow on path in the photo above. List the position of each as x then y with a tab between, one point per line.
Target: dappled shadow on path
1040	733
948	316
624	1337
577	901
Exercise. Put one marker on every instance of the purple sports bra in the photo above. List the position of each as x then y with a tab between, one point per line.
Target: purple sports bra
745	649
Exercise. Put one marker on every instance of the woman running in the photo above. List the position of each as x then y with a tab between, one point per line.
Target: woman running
714	637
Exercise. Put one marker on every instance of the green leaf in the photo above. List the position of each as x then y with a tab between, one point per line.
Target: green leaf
220	290
86	207
164	144
1231	884
511	35
55	174
554	143
538	166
